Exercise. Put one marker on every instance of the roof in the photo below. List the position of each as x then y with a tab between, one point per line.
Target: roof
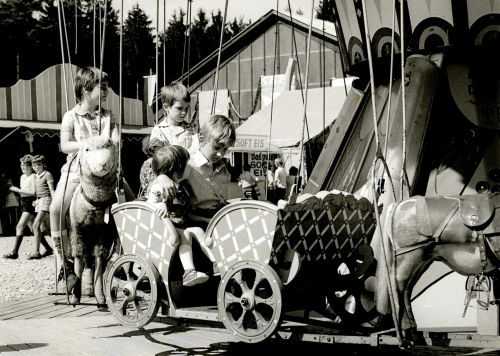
288	113
244	38
53	128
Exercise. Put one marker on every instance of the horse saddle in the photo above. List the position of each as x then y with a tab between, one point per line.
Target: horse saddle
476	210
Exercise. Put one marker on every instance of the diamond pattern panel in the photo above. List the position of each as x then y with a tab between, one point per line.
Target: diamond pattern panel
144	234
243	234
332	230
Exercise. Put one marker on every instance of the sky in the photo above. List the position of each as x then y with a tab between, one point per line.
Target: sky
249	9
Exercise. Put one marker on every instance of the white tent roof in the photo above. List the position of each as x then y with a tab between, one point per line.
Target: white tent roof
288	112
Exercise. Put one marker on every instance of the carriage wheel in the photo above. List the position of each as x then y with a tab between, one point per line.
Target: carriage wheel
132	286
354	305
250	301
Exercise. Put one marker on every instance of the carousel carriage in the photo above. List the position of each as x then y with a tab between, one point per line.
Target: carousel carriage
260	254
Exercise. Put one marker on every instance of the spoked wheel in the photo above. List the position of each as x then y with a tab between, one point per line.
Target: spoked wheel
132	286
250	301
354	305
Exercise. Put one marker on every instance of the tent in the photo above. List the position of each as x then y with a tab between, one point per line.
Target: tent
287	115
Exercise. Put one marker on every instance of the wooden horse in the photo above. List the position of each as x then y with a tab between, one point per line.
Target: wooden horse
461	231
90	233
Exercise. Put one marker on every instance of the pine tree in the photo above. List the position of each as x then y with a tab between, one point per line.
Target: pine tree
138	51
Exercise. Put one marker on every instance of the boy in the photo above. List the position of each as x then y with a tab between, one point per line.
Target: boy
27	191
44	190
174	130
208	179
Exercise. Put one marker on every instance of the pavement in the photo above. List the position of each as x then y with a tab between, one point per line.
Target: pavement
102	335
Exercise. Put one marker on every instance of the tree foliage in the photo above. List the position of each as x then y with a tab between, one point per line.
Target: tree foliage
325	10
37	35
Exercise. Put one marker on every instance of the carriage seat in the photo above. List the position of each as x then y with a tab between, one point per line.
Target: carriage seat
477	210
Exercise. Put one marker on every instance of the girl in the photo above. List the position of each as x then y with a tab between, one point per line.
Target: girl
27	192
44	191
146	174
85	120
172	162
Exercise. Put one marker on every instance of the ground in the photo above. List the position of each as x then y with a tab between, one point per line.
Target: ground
22	277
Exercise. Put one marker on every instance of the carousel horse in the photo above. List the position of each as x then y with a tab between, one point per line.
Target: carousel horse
91	231
461	231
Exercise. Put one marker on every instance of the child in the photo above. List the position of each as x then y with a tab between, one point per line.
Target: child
85	120
172	162
146	174
248	183
174	130
208	179
44	183
27	192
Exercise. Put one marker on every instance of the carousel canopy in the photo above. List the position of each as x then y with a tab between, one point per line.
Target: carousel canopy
288	112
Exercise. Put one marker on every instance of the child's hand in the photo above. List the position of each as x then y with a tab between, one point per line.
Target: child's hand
168	185
190	130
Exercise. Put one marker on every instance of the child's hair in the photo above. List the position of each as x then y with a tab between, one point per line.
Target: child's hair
293	171
170	159
39	159
86	79
218	129
155	142
27	160
175	91
247	167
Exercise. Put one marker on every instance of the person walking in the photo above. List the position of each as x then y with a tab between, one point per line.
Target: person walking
27	192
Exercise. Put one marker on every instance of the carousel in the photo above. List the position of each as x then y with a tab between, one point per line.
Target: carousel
402	205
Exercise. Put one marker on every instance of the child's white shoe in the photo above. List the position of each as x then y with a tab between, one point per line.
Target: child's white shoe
193	277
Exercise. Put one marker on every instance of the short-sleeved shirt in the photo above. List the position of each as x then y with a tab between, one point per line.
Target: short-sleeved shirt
81	126
175	135
42	181
177	209
208	183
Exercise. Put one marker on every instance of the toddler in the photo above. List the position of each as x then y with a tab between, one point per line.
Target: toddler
171	161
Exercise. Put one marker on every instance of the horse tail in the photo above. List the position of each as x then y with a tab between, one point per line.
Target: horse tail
384	254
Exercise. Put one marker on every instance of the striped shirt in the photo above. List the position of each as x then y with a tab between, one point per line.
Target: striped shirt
81	126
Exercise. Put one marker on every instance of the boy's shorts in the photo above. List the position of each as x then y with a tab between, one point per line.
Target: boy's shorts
42	204
27	205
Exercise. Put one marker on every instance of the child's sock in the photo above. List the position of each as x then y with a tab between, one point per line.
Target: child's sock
186	257
45	244
17	244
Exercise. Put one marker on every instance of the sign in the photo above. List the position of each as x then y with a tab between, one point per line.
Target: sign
259	163
250	143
